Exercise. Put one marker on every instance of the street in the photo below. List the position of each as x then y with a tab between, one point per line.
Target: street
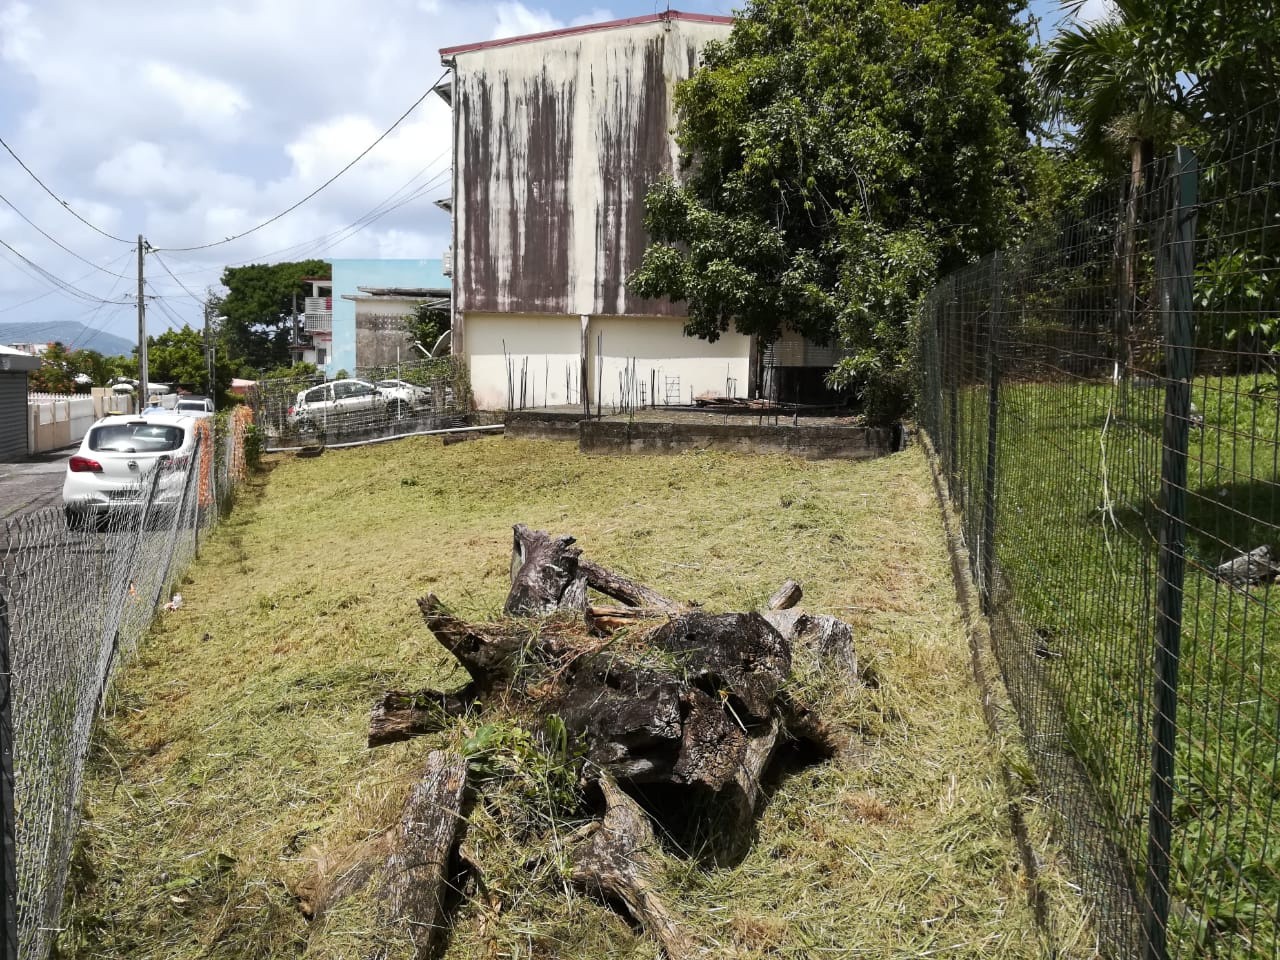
32	484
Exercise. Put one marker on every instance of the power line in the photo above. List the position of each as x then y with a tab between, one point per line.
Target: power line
55	280
203	246
51	292
175	279
318	245
65	205
57	243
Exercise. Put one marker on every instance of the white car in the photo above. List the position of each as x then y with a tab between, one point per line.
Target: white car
114	466
412	393
194	407
403	390
345	404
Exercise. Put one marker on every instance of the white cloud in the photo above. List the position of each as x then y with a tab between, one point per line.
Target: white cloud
192	122
206	103
515	19
18	36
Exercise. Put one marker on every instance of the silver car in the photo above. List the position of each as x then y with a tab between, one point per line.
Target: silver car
345	405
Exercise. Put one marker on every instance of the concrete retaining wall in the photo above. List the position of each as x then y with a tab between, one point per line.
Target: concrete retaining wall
542	425
811	443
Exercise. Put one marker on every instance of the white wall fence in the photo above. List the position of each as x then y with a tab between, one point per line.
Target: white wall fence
56	420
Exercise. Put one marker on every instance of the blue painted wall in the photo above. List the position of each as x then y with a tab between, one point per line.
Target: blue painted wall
348	275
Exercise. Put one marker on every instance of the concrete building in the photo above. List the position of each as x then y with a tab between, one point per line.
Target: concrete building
557	138
357	319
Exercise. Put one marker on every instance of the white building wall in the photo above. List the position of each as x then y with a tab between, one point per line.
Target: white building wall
622	353
547	348
625	352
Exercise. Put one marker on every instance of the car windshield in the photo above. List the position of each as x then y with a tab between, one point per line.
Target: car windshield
136	438
191	405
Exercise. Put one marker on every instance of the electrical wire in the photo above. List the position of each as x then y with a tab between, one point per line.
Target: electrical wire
51	292
327	240
175	279
65	205
58	282
204	246
58	243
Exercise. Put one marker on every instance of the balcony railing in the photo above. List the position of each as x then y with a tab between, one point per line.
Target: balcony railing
317	305
317	322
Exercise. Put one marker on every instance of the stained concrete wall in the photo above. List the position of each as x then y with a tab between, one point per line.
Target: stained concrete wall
811	443
557	139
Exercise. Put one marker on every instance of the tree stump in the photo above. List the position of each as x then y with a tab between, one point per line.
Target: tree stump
420	869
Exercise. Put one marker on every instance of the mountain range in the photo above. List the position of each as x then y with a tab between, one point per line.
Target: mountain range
72	334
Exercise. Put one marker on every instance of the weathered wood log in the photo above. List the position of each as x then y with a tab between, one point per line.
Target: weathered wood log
605	620
545	574
830	638
400	714
420	868
616	864
739	653
1248	568
629	591
786	596
490	653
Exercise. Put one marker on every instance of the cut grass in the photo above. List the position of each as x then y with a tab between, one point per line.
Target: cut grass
232	765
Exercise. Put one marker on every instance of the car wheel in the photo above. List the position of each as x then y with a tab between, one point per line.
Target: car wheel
399	410
306	428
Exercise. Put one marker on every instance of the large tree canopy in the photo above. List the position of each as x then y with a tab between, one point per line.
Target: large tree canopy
179	356
837	153
259	308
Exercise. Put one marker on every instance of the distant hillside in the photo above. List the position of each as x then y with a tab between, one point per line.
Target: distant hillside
75	335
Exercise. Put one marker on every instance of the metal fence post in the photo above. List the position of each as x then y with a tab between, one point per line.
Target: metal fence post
1176	279
993	406
8	842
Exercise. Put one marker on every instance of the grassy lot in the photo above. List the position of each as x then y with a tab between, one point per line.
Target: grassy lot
1077	547
232	763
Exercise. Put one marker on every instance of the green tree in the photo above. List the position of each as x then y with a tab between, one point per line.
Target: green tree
427	323
178	356
836	155
258	308
98	368
56	371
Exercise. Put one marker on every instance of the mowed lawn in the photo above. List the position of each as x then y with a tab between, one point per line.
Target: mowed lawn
232	762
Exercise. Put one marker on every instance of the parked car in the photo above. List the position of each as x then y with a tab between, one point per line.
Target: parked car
403	390
345	404
412	393
115	462
193	406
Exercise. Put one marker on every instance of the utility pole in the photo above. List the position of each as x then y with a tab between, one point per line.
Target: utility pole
208	352
142	332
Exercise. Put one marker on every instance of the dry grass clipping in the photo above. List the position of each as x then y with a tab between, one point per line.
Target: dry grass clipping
232	763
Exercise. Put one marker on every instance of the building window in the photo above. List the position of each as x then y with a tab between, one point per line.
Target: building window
321	356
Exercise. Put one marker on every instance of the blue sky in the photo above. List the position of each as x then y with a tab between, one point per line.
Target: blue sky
189	122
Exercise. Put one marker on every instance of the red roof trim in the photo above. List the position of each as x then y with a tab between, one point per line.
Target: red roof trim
587	28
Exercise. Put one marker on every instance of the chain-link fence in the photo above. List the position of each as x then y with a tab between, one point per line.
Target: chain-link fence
1103	401
378	402
76	595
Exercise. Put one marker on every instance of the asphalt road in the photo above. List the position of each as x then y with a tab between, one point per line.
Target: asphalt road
32	484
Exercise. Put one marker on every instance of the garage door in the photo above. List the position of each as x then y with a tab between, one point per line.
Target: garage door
13	417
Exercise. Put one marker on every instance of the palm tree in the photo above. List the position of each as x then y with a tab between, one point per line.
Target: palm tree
1117	80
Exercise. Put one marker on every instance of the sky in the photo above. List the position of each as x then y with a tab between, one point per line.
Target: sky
190	122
